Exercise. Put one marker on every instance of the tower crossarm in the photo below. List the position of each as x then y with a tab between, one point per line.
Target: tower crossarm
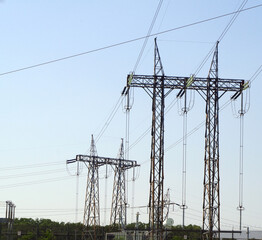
191	83
126	164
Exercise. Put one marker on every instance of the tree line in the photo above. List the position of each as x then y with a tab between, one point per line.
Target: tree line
46	229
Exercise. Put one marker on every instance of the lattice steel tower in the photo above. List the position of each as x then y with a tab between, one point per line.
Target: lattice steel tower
155	87
211	199
118	209
92	210
211	89
93	162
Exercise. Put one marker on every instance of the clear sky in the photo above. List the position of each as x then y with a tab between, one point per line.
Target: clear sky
48	113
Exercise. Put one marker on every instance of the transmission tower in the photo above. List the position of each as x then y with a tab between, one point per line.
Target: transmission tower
158	86
93	162
166	205
10	217
211	199
92	210
118	209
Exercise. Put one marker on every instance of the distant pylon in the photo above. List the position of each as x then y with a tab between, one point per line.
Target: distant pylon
91	210
10	217
118	209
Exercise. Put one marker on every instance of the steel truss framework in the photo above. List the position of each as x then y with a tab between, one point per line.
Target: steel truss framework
10	217
118	209
158	86
93	162
92	209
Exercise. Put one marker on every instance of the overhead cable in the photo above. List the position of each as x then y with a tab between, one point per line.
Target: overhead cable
129	104
47	164
254	76
110	117
148	35
235	15
127	41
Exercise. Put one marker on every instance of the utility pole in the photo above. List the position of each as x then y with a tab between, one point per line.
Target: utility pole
93	162
137	219
247	232
211	89
137	224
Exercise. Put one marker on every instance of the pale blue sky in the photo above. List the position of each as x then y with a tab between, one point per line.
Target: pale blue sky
48	113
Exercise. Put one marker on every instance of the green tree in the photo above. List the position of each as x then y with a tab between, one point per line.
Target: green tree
48	235
28	236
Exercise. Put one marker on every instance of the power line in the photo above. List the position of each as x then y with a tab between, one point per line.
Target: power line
255	75
232	20
193	130
110	117
22	184
236	13
148	35
197	127
129	105
32	174
47	164
128	41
